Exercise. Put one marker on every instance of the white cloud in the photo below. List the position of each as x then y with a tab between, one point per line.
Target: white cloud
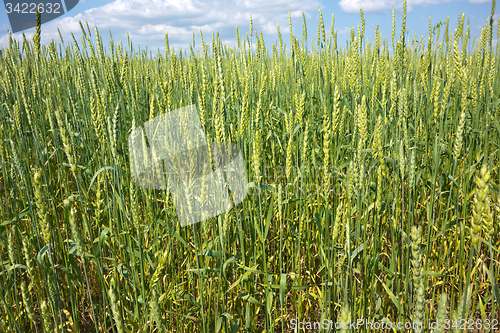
344	31
353	6
479	1
147	21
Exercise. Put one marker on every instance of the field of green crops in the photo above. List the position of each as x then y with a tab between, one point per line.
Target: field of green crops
373	184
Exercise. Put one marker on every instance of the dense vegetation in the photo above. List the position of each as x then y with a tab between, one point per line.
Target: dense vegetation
373	184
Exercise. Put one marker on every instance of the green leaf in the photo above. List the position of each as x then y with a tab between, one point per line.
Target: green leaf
183	315
17	218
75	267
88	255
68	273
203	270
210	253
119	200
235	326
268	219
179	238
237	282
228	316
218	324
378	304
334	247
250	299
102	238
342	166
450	177
87	171
266	187
357	251
188	298
233	323
280	110
282	287
127	249
494	285
317	219
97	174
123	271
269	303
291	200
437	275
279	141
487	243
391	295
13	267
41	254
448	226
295	130
250	185
253	270
259	186
228	262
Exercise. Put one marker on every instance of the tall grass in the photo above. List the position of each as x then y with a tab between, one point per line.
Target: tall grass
373	184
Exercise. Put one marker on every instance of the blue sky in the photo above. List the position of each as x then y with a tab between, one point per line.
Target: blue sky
148	20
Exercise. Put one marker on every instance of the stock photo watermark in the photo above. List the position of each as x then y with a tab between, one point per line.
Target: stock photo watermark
327	324
178	148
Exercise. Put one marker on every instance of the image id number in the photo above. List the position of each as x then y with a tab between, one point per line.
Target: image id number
471	324
30	8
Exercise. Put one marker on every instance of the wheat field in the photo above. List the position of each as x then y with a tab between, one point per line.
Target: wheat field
373	184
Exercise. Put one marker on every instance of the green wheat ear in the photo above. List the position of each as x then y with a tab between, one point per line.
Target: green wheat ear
482	217
42	211
48	324
115	307
463	307
418	277
345	318
441	313
75	230
27	301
